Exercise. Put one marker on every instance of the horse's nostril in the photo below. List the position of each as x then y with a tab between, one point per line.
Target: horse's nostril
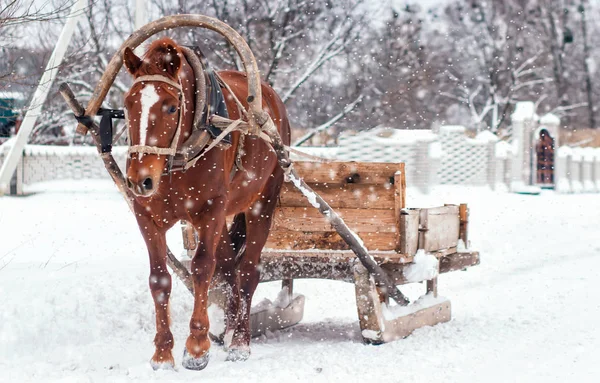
147	183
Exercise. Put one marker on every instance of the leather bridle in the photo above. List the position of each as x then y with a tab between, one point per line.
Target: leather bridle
172	149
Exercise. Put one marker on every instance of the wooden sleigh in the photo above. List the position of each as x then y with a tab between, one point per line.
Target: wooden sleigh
411	245
303	244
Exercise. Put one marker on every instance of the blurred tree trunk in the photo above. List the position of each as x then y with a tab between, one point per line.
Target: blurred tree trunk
586	65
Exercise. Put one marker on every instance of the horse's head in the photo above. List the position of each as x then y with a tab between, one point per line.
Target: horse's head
154	107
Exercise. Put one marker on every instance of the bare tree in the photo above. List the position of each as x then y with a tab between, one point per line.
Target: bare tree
586	66
500	67
295	42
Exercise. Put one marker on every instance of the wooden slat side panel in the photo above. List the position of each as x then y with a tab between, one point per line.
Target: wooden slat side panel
345	172
349	196
310	220
299	240
442	228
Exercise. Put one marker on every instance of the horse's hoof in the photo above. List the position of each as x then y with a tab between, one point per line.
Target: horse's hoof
218	339
237	355
162	365
192	363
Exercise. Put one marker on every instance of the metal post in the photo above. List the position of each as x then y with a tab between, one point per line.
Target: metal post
141	18
41	93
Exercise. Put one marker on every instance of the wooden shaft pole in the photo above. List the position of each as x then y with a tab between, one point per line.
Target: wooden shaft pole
117	176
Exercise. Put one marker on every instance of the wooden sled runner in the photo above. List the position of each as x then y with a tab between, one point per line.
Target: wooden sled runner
411	245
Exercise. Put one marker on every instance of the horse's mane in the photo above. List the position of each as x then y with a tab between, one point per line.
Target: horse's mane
155	56
153	61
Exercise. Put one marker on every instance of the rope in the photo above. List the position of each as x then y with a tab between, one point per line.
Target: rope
118	135
232	127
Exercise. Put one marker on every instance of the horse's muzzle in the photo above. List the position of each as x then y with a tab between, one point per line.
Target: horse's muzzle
143	188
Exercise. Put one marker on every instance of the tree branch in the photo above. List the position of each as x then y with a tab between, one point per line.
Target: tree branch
347	109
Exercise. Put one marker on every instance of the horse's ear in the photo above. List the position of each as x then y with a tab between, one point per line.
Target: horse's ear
172	61
131	61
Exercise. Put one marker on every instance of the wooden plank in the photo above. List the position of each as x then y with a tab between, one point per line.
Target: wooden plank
403	185
463	212
458	261
275	267
448	262
337	265
409	231
439	228
432	287
348	172
403	326
443	253
273	318
398	205
328	240
369	307
382	257
349	196
311	220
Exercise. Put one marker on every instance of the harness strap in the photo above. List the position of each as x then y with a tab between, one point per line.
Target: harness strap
159	78
172	150
151	150
232	127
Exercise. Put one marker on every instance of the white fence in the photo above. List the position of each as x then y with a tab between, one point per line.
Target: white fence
49	163
448	157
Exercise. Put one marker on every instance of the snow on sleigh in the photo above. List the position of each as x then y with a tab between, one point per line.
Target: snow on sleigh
411	245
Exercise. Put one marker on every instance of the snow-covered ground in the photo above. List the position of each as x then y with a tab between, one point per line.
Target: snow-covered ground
75	305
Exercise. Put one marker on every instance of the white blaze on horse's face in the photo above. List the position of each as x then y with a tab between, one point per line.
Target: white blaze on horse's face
149	97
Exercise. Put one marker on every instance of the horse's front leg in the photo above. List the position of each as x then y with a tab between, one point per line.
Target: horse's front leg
160	287
208	226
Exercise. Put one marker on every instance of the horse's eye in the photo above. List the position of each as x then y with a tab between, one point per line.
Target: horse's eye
172	109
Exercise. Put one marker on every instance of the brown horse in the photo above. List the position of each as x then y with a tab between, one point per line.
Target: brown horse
204	196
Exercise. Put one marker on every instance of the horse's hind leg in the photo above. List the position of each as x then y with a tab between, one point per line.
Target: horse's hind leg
258	223
225	291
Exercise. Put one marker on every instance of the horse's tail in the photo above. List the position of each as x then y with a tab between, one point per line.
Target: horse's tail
237	233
